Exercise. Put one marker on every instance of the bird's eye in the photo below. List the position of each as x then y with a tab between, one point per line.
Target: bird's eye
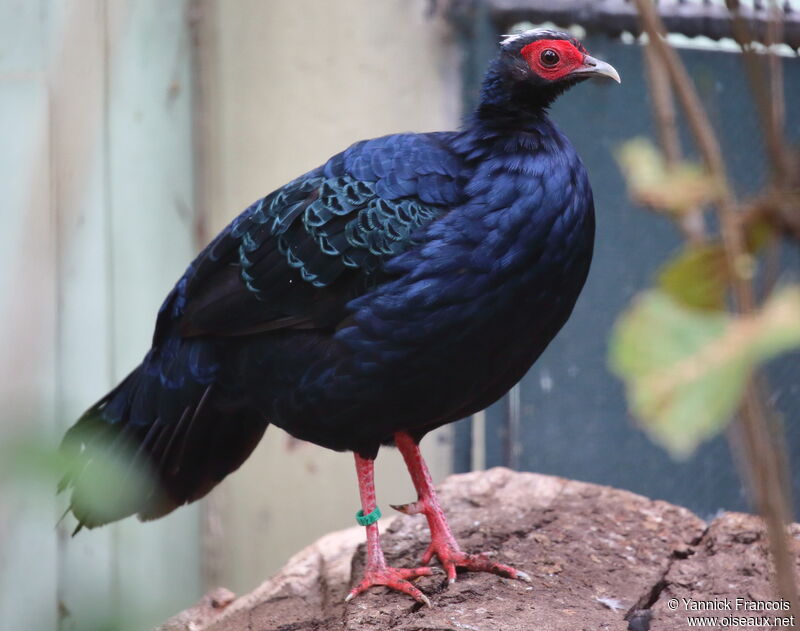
549	57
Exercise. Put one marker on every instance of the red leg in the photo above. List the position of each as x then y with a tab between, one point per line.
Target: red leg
377	572
443	544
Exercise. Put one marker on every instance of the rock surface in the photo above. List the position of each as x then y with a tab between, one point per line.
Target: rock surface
599	558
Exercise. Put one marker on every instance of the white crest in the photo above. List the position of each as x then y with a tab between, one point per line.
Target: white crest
511	38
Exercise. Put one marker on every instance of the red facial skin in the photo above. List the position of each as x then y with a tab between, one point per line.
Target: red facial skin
570	58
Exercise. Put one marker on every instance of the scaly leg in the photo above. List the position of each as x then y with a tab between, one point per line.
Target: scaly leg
443	544
377	572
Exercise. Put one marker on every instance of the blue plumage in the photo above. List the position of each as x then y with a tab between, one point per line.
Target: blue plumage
407	282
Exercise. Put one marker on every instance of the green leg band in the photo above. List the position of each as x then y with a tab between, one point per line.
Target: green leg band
366	520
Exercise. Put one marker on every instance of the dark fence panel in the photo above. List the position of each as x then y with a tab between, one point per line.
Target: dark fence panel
612	17
573	419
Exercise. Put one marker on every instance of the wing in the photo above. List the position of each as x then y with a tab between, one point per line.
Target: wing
296	257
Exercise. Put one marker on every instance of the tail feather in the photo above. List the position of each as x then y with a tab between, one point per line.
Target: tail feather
150	446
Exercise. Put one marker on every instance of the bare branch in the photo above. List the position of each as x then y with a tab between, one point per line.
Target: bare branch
663	106
691	223
765	76
709	148
761	447
768	488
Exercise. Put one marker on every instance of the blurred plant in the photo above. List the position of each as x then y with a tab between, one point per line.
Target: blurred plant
29	462
30	468
689	349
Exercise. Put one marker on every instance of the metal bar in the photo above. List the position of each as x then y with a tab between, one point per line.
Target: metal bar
479	441
513	444
613	17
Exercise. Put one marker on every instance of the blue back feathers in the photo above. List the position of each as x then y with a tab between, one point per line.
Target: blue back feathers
360	208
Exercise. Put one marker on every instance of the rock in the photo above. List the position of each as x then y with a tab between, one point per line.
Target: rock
599	558
730	562
202	613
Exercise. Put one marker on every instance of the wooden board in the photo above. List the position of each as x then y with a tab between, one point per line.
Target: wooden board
28	548
287	85
96	186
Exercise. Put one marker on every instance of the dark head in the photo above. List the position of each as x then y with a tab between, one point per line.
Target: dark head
534	68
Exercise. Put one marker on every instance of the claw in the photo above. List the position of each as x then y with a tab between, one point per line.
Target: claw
393	578
443	545
412	508
452	558
428	555
450	569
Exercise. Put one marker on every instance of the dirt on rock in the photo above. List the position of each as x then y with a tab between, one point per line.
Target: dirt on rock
599	558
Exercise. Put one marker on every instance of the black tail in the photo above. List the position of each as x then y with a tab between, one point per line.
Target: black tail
153	444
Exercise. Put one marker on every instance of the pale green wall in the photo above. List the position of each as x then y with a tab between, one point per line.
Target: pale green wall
125	147
96	192
289	84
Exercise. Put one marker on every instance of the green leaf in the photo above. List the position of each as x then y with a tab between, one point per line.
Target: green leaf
758	234
112	480
685	370
676	189
697	277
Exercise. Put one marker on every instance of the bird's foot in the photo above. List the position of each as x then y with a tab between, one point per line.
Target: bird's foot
451	557
393	578
444	546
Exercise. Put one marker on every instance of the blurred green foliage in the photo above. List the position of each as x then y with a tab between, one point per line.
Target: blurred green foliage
654	183
110	480
31	466
697	277
684	356
685	369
